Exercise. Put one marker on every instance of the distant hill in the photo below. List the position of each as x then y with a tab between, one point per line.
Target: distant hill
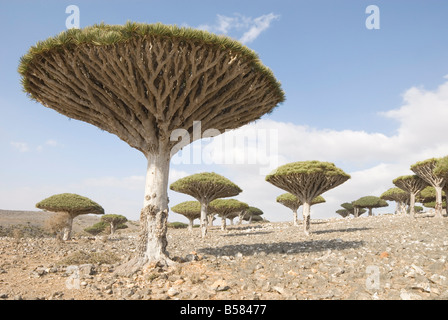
9	218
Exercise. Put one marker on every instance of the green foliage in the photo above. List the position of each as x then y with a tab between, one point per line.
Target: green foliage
224	207
351	209
291	201
97	228
116	219
369	202
432	204
254	211
441	168
206	183
190	209
428	194
418	208
428	162
395	194
107	35
70	203
177	225
308	168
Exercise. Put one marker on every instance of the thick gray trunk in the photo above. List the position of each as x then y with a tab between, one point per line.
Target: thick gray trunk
67	232
190	225
370	212
306	218
152	242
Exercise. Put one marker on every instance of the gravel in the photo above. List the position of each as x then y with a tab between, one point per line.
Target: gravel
384	257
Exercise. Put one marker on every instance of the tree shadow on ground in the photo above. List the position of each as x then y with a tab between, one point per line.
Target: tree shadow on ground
307	246
246	233
341	230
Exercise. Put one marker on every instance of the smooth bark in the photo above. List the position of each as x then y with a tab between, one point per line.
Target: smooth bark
306	217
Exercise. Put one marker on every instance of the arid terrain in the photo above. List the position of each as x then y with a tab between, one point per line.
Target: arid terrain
381	257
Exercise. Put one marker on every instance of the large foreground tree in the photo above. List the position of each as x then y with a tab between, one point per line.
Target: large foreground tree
206	187
307	180
425	170
147	84
412	184
71	205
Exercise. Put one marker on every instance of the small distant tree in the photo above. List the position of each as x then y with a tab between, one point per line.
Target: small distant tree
190	210
398	195
225	207
413	184
292	202
72	205
348	209
97	228
114	221
369	202
343	213
206	187
425	170
251	213
307	180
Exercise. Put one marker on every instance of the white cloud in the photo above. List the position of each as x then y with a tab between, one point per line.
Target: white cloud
250	27
372	159
20	146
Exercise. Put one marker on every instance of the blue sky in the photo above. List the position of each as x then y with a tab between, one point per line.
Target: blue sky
371	101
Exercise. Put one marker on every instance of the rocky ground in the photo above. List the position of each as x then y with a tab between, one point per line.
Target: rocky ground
383	257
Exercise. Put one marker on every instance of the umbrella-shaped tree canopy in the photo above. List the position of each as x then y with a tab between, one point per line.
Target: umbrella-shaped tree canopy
206	187
370	202
144	83
189	209
292	202
307	180
225	207
72	205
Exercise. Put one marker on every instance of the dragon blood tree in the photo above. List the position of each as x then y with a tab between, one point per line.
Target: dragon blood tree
369	202
425	170
72	205
349	209
190	210
441	170
225	207
307	180
114	221
398	195
206	187
143	81
251	213
292	202
412	184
